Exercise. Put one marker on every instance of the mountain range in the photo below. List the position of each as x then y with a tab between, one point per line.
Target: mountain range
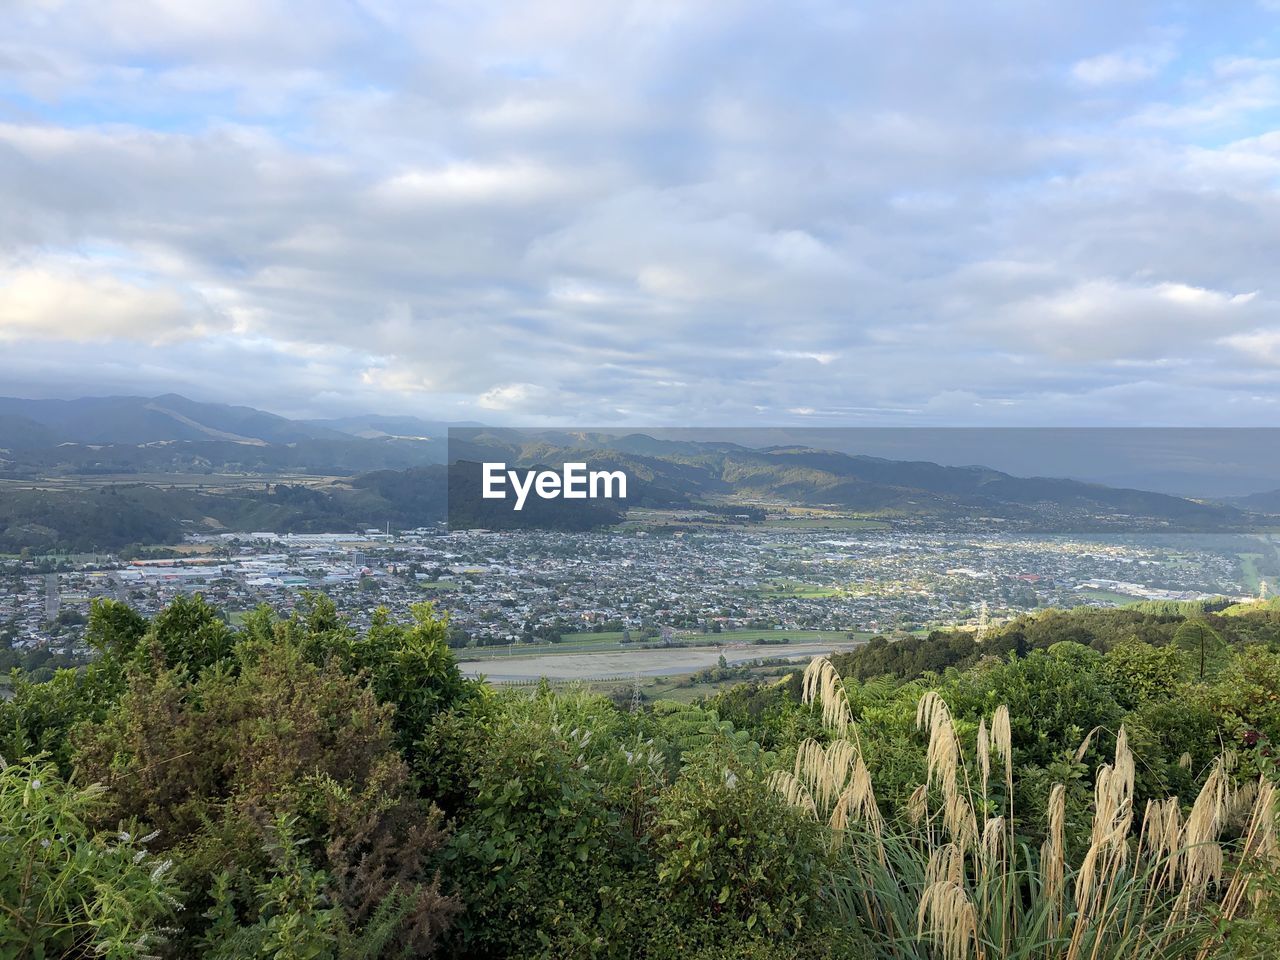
31	424
266	471
170	434
672	470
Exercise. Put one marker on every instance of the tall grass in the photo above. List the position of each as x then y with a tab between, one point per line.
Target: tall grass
955	881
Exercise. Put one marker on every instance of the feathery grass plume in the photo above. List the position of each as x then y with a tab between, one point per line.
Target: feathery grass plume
948	915
822	684
1184	761
1259	854
943	765
1085	744
1109	848
793	791
984	753
825	771
1053	853
858	803
1113	793
918	804
993	845
942	759
946	863
1002	747
931	710
1160	839
840	759
832	782
1201	853
810	756
974	893
1002	739
810	767
1260	849
958	818
1125	764
1240	806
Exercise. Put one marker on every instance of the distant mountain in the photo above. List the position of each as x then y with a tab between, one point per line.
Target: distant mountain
1266	502
151	438
345	456
1186	462
23	433
112	516
133	420
173	434
801	475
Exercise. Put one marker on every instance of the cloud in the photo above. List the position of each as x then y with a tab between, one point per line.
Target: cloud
1103	320
511	397
1122	66
664	213
87	304
462	183
1258	346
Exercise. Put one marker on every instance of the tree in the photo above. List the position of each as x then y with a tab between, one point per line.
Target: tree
214	759
1142	672
1207	652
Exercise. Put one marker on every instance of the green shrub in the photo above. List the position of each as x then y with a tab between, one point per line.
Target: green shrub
212	762
66	889
727	848
539	839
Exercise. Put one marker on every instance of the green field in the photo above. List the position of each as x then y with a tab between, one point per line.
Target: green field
590	637
747	636
1107	596
794	588
591	642
825	523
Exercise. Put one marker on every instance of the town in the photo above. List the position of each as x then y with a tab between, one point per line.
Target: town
632	585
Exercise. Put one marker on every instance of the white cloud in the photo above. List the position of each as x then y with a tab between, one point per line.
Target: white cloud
1104	320
685	213
473	183
1122	66
1260	346
61	302
822	358
511	396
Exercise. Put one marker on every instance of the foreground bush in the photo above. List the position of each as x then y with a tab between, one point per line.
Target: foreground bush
332	794
66	889
214	762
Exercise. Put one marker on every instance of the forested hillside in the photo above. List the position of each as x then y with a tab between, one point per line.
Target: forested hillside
114	516
1079	784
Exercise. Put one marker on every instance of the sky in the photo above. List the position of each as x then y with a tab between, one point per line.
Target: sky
651	213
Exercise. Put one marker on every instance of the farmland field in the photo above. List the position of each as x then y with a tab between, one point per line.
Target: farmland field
661	662
610	642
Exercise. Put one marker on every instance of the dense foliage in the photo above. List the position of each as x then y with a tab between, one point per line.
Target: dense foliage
295	788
